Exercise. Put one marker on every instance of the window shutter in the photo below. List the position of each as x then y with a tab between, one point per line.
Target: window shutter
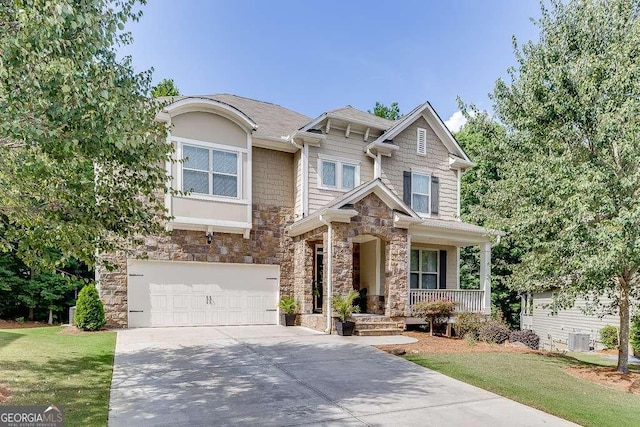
443	270
406	188
435	194
422	142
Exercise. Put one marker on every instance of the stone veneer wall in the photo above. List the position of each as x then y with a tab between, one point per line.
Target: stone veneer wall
267	244
374	218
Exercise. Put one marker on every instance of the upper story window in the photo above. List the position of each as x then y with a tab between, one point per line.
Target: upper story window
421	145
210	171
424	269
338	175
421	193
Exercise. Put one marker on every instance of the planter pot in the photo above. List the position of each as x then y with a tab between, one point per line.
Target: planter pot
345	328
288	319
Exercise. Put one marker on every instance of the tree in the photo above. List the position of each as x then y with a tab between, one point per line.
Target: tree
573	188
81	156
166	87
390	113
89	310
481	138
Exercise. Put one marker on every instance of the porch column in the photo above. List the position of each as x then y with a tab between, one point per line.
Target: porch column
485	275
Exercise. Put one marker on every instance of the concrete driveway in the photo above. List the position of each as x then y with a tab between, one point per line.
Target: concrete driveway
271	375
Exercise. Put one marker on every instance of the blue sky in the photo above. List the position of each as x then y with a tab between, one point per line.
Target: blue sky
313	56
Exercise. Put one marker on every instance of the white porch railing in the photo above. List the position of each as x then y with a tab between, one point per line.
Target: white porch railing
469	300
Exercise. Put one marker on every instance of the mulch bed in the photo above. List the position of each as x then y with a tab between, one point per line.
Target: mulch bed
12	324
441	345
607	377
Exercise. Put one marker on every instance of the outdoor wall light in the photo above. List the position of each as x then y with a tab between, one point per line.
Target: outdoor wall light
209	237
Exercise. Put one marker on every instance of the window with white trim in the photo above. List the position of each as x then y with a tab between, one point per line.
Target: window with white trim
210	171
421	193
421	146
424	269
338	175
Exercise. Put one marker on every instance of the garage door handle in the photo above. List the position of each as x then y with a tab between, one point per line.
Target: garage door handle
136	311
271	309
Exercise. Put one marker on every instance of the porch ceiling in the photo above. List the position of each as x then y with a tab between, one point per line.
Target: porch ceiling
454	233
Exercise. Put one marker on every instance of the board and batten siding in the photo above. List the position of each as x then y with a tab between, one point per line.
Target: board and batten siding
554	329
338	147
436	162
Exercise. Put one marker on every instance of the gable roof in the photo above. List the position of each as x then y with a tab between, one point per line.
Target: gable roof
353	115
436	123
377	187
339	208
273	121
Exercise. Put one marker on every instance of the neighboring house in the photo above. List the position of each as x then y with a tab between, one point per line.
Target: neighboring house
541	313
281	203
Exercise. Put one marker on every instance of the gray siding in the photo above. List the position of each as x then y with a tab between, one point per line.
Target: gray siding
435	162
339	147
554	329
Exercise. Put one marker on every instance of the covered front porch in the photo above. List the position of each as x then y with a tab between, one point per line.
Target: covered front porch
428	234
373	245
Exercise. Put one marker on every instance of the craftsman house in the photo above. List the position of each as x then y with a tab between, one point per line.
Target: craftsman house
279	203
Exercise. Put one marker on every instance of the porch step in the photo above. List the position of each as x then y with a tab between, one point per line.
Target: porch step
378	325
377	332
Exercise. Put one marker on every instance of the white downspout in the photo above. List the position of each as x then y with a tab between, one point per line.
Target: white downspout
376	163
329	254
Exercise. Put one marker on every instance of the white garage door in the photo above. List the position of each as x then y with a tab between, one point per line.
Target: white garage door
163	293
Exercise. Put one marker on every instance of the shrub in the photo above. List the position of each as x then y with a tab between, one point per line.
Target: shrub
635	333
343	305
609	337
288	304
89	310
526	337
436	313
471	339
494	331
468	324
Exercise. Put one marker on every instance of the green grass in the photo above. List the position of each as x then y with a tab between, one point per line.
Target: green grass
541	382
42	367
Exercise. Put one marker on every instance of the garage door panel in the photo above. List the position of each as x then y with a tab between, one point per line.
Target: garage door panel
193	294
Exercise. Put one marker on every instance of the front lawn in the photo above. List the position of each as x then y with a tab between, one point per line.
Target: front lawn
41	366
540	381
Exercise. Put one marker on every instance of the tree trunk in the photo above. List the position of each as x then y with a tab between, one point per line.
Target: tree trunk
30	313
50	317
623	311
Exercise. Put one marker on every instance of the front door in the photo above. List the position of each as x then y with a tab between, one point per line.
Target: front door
318	281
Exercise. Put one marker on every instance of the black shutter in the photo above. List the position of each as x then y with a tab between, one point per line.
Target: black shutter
406	188
435	194
443	270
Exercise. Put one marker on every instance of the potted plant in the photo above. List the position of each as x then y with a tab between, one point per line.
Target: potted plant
288	309
343	306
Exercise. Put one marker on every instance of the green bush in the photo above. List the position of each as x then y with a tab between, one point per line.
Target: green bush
609	337
527	337
343	305
635	333
288	304
89	310
437	311
468	324
494	331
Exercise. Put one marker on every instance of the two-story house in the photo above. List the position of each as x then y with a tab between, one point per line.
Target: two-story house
279	204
